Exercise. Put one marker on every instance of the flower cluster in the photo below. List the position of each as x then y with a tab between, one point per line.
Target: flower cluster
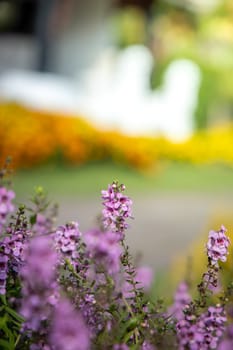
42	224
203	332
181	299
227	342
40	290
117	208
20	127
217	245
66	239
12	245
68	330
104	249
6	206
61	290
3	272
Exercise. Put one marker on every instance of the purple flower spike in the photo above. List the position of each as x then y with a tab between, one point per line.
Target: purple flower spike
66	240
40	290
69	331
217	246
6	206
181	299
117	208
3	273
104	248
204	332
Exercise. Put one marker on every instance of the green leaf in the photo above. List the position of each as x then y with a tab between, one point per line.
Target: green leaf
4	345
14	314
33	219
3	299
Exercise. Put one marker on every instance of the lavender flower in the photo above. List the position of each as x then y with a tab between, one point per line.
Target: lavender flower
104	249
120	347
39	290
147	346
14	245
40	346
203	332
67	238
117	208
43	224
6	206
181	299
69	331
11	255
189	336
3	272
217	245
213	324
227	342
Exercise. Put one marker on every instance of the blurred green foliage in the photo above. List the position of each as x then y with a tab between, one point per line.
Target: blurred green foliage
173	30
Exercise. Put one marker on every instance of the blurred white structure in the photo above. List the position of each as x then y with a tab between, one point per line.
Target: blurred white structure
115	93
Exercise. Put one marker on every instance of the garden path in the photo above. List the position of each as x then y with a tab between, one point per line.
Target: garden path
164	225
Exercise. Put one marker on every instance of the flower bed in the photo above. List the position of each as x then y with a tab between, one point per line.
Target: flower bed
34	137
63	289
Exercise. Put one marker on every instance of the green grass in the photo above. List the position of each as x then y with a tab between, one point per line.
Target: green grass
90	179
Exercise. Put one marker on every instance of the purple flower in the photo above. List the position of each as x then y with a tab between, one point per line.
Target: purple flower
3	272
227	341
147	346
94	318
217	245
226	344
69	331
40	346
203	332
104	249
120	347
213	324
144	277
181	299
39	290
117	208
11	256
189	336
6	197
43	224
66	241
6	206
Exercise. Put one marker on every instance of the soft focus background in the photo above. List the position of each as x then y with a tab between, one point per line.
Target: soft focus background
139	91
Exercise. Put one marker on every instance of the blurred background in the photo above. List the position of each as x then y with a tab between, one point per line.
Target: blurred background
135	90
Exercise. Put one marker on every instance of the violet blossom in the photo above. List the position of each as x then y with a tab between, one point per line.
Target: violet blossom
147	346
227	342
3	272
203	332
69	331
181	299
217	245
12	246
213	322
6	206
67	238
117	208
104	249
43	224
39	286
120	347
